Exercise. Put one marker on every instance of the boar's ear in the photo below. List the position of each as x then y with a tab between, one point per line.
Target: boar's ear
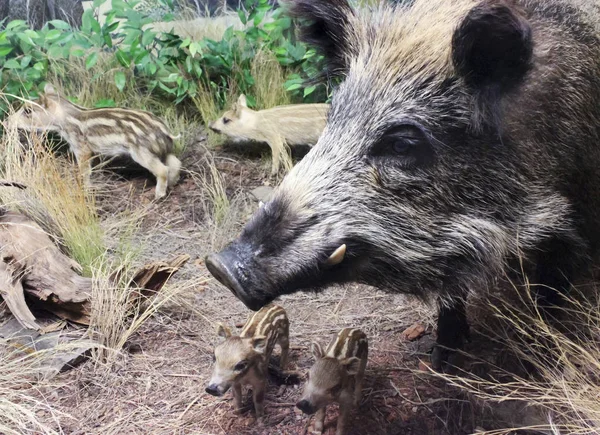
259	343
326	27
492	50
223	331
351	365
242	101
316	350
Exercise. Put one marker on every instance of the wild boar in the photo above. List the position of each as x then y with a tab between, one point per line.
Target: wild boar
279	127
106	131
244	359
464	137
336	376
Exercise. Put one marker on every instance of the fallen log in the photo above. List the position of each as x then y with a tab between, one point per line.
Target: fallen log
32	265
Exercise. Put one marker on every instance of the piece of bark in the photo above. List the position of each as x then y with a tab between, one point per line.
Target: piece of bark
11	291
36	267
414	332
31	264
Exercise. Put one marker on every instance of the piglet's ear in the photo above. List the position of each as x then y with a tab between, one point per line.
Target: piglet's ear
259	343
493	45
49	89
242	101
351	365
326	26
223	331
316	350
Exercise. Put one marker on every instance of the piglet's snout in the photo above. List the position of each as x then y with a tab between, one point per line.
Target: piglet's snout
306	407
214	390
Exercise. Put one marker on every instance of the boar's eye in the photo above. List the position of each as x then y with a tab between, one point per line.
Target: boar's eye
226	120
27	110
241	366
407	144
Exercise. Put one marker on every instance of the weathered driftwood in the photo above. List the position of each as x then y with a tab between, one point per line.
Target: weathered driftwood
31	264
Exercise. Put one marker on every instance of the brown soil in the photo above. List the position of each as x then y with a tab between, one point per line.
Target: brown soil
157	384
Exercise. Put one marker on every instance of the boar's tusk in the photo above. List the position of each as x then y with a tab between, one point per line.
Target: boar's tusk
337	257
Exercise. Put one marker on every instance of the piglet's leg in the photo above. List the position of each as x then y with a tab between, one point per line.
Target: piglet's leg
320	420
284	343
359	384
84	161
149	161
258	394
237	397
345	411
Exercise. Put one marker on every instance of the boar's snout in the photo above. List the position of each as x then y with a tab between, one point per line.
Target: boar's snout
231	271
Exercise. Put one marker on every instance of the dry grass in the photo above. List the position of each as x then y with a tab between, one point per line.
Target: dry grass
24	374
269	80
565	361
118	311
55	197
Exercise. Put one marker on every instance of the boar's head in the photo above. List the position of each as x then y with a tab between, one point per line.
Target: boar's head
417	183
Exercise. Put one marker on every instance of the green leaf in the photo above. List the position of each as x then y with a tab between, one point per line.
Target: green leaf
123	58
12	64
15	24
242	16
25	60
59	24
53	35
120	80
56	52
105	102
4	51
309	90
25	38
91	60
98	3
77	51
194	48
148	37
40	66
151	69
293	87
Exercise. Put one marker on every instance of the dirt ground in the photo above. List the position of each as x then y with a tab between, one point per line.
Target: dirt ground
157	384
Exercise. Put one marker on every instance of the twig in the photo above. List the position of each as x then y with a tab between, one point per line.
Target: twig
16	184
426	402
281	405
187	408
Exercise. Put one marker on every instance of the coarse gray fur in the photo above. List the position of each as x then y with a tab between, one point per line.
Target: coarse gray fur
464	137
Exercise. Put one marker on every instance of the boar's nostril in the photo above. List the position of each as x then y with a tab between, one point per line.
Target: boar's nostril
219	267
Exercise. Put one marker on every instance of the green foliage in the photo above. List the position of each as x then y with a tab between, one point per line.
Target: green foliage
164	63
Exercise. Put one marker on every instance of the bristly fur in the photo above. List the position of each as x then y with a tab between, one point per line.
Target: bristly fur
464	137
